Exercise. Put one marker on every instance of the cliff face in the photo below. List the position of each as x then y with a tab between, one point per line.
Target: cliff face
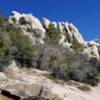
37	29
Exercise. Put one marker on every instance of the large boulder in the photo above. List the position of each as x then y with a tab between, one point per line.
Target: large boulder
27	20
92	43
92	49
92	52
69	34
30	25
46	23
75	33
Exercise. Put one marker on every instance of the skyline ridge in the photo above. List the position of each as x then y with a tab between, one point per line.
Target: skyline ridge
83	14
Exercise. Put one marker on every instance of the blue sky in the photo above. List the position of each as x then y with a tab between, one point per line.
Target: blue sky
85	14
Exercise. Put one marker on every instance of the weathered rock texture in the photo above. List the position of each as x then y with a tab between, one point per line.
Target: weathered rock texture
29	23
28	83
36	30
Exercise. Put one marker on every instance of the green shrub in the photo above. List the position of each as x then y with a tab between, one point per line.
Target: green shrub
23	48
81	72
3	22
5	50
53	34
14	44
77	46
64	64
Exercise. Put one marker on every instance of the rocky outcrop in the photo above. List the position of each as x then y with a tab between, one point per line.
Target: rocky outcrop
45	23
34	83
27	20
68	30
92	52
30	25
36	30
92	49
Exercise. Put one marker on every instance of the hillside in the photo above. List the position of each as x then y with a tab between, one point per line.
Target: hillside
27	83
52	56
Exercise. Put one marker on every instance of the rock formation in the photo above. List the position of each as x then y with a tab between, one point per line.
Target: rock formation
30	25
27	85
18	83
36	30
29	22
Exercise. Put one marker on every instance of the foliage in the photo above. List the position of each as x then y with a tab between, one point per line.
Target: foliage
53	34
14	44
23	48
47	56
77	46
5	50
65	64
61	62
80	71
